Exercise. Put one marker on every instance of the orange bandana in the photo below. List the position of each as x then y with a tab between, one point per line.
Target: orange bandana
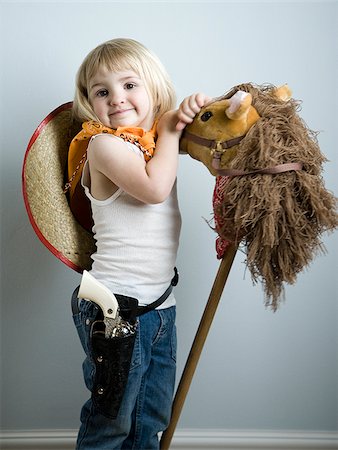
77	155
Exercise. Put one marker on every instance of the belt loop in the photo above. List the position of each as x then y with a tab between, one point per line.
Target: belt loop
176	277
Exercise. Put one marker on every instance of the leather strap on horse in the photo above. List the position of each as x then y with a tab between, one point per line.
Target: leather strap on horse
211	143
215	145
280	168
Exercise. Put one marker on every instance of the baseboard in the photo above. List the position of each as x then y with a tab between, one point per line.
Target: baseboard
254	440
193	439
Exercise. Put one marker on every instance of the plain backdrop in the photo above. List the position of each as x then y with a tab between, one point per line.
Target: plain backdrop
259	369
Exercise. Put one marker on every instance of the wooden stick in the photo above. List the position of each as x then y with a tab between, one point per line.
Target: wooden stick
197	346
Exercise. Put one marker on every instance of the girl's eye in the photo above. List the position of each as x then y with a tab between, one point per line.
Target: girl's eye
130	85
102	93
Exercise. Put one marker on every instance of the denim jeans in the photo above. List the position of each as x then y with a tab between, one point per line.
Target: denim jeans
146	405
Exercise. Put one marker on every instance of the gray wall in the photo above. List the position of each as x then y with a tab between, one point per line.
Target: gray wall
259	370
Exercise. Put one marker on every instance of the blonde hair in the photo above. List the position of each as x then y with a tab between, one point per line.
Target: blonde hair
124	54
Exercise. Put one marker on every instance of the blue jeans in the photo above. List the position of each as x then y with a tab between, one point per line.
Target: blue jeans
146	405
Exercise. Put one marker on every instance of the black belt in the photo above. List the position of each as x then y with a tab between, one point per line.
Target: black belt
144	309
139	310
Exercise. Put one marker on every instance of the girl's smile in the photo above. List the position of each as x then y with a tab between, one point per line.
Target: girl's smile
121	99
120	111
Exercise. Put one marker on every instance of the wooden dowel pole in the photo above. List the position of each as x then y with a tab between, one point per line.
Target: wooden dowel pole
198	343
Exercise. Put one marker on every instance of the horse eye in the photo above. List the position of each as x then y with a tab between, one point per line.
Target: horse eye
206	116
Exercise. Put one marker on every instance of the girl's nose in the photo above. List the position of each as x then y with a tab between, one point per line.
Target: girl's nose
116	98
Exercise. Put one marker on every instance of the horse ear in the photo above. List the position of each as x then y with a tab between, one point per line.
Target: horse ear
238	105
283	93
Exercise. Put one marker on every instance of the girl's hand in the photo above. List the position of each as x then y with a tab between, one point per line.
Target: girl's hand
167	123
174	121
189	108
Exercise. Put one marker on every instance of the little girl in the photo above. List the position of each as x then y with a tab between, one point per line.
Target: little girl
126	99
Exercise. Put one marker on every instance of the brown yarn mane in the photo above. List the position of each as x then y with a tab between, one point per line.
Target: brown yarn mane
279	218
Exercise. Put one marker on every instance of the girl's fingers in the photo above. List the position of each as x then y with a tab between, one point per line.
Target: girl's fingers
202	99
180	125
193	104
189	107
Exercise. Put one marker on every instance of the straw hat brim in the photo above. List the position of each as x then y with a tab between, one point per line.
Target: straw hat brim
43	179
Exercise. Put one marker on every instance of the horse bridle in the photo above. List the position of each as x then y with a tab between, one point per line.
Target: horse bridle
213	144
218	148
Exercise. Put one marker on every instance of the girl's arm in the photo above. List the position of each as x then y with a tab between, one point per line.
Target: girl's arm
109	161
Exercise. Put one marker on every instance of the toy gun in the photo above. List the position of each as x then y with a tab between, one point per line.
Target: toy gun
94	290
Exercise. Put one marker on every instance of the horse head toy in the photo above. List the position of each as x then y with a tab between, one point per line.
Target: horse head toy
269	194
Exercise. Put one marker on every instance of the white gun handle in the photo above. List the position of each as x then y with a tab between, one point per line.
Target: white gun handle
94	290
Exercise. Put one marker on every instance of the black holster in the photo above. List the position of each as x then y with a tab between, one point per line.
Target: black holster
112	356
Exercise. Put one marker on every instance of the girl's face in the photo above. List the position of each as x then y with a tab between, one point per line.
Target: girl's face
120	99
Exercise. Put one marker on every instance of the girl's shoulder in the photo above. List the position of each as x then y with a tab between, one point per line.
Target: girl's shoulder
109	145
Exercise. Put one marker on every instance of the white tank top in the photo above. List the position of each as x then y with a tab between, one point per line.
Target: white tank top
137	243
